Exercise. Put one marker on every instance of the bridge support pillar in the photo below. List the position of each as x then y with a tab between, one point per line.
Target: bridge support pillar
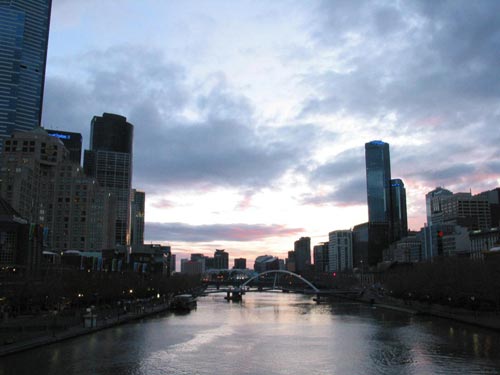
234	295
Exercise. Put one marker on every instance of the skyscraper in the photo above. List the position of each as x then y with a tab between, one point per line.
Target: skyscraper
399	217
378	181
137	219
302	249
109	160
24	35
387	217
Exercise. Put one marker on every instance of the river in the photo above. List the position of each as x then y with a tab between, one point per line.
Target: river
271	333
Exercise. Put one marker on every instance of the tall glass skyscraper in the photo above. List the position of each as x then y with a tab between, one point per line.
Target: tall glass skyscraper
109	160
387	217
24	35
378	181
399	218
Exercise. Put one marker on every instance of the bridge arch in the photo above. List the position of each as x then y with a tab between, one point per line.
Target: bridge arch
280	271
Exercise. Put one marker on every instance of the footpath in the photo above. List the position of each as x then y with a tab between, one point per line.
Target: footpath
484	319
50	334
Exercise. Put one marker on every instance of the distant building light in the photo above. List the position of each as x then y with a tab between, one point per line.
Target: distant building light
60	136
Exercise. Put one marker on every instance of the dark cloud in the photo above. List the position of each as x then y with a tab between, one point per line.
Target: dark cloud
340	182
351	192
186	135
217	232
344	166
415	59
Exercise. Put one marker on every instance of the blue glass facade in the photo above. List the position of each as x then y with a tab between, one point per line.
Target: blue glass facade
378	181
24	34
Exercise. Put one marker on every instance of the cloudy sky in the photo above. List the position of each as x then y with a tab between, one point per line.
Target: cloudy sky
251	116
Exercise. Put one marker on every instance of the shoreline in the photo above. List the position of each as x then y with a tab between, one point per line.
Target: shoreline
485	320
76	331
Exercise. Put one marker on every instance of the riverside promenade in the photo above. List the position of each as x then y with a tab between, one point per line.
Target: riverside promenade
24	333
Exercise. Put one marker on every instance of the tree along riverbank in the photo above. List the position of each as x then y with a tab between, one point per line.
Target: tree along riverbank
65	304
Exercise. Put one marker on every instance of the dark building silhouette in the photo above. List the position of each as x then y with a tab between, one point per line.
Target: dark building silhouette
221	260
109	160
24	35
302	249
72	141
378	181
137	219
493	197
321	257
399	217
21	243
387	216
240	264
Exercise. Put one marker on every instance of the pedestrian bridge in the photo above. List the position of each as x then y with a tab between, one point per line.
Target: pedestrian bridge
236	293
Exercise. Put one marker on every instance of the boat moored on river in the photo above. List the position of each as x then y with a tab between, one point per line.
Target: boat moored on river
183	302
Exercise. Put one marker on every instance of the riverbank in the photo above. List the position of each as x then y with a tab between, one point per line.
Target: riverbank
52	334
488	320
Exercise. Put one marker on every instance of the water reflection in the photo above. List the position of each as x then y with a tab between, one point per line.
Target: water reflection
271	334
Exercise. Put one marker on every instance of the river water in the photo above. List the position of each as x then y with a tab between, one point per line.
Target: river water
271	333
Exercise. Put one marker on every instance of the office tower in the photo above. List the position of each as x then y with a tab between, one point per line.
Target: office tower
433	204
463	209
72	141
24	35
378	181
201	259
399	218
302	248
290	261
221	260
340	250
265	263
137	219
109	160
240	264
493	197
321	258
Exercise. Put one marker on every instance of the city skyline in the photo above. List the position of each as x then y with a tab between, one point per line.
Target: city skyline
250	118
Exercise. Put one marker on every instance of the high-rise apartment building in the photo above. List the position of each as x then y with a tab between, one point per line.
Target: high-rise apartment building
340	250
109	160
302	249
24	35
